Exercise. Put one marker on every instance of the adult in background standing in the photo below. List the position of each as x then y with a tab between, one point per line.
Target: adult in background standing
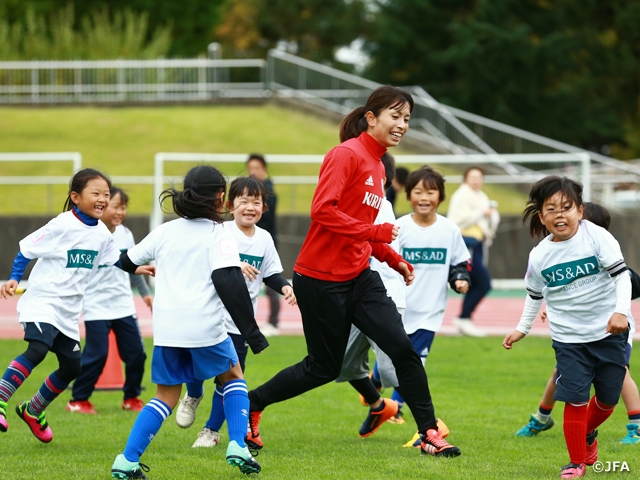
334	285
257	168
476	215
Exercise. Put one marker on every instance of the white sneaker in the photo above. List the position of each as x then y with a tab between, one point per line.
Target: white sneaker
269	330
186	413
466	327
206	438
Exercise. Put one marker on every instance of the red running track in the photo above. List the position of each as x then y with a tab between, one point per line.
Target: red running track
496	315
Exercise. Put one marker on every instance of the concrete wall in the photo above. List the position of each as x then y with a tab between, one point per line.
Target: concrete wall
507	257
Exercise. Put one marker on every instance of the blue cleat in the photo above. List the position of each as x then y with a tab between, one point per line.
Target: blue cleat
534	427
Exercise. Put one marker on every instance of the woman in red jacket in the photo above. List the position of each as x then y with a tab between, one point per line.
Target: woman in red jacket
333	282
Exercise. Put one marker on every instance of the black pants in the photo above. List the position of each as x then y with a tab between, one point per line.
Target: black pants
96	351
328	310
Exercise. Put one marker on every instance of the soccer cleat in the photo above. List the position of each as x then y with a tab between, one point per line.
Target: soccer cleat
632	437
206	438
133	404
573	470
123	469
416	442
432	443
397	418
253	439
240	457
534	427
592	448
466	327
4	426
38	425
81	406
375	419
186	413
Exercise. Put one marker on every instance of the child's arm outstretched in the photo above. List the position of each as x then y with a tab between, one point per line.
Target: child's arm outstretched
17	271
531	306
279	284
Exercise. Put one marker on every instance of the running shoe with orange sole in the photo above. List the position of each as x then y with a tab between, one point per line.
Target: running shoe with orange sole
376	418
432	443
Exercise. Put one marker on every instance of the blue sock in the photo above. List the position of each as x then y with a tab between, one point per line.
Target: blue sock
398	398
48	392
195	389
236	409
15	374
216	419
145	429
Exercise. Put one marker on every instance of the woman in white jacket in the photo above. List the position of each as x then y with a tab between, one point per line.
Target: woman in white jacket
475	214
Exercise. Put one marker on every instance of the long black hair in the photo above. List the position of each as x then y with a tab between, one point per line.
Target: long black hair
200	196
382	98
79	182
540	192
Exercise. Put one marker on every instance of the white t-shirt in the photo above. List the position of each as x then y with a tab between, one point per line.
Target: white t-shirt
572	278
68	252
108	295
392	280
431	250
187	311
260	252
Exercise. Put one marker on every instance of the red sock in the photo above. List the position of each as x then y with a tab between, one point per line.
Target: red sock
575	432
596	414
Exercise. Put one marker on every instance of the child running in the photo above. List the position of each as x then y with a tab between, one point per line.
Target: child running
541	420
260	263
108	306
434	245
198	277
68	248
579	271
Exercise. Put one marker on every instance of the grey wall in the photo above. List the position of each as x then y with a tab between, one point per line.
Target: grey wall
507	257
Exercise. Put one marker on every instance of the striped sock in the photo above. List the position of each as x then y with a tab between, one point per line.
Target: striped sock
575	431
236	409
634	416
15	374
216	419
49	391
544	413
145	429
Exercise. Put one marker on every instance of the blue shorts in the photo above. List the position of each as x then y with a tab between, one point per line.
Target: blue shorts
422	340
53	338
178	365
600	363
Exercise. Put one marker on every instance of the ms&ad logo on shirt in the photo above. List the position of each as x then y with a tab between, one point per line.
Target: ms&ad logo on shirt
81	258
425	255
566	273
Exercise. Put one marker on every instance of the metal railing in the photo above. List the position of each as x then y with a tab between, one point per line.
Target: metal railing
162	80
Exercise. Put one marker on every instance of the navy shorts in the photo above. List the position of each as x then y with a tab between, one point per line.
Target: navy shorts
177	365
53	338
600	363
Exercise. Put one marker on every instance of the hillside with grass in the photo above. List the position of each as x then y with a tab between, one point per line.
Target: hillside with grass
123	142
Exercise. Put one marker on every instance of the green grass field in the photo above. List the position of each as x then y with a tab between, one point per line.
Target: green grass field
123	142
483	393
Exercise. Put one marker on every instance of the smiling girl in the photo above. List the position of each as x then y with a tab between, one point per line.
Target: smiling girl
579	272
68	248
334	285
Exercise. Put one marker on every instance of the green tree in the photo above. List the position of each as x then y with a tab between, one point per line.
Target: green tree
568	70
312	29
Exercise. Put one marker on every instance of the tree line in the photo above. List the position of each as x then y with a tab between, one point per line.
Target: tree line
568	70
